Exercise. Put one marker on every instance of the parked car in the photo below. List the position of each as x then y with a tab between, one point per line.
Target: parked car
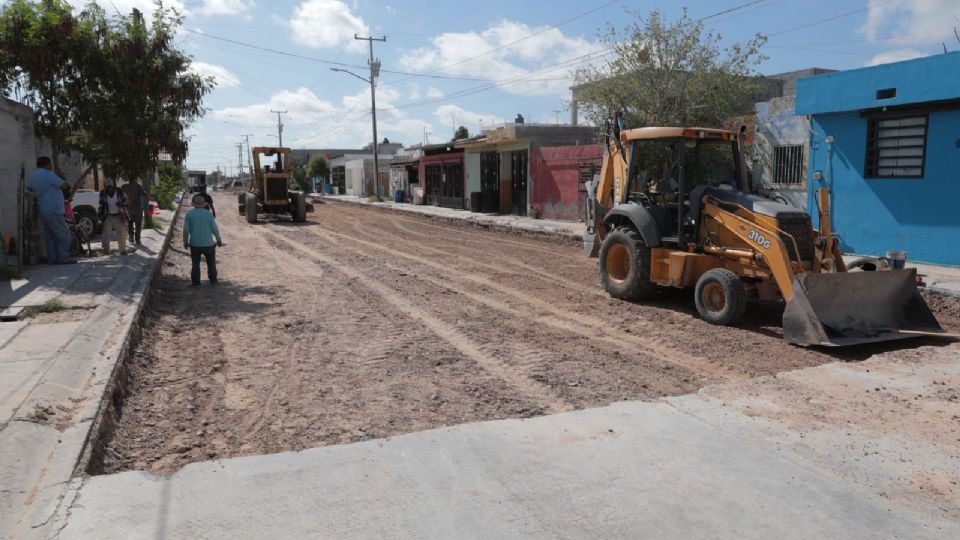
85	205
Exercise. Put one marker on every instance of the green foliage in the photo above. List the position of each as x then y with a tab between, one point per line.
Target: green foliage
300	179
671	74
461	133
50	306
170	181
42	52
318	166
114	87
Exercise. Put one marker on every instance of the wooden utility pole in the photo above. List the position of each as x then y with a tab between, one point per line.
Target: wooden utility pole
279	127
374	73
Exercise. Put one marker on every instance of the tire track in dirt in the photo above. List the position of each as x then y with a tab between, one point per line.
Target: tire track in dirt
509	373
507	259
653	345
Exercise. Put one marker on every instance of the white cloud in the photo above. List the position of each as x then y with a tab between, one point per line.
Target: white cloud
302	105
225	7
325	24
219	73
452	114
894	56
910	22
434	93
456	52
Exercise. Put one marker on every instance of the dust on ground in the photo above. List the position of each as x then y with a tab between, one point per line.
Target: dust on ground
363	324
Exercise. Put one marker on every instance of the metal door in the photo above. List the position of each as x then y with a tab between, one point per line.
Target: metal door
518	172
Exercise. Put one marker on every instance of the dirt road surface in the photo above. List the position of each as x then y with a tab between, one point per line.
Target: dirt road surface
364	324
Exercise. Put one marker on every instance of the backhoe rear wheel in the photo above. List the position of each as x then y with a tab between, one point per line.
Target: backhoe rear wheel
625	265
720	297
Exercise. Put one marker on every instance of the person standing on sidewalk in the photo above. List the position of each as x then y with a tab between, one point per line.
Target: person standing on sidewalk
202	237
136	202
113	215
49	190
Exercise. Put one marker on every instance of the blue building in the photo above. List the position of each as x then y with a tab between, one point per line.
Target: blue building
886	140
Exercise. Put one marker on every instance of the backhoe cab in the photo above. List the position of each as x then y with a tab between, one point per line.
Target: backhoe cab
269	191
673	207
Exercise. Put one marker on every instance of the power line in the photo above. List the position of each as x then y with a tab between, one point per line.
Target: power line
829	19
529	36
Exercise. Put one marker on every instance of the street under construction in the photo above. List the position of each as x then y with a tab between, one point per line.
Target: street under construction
363	324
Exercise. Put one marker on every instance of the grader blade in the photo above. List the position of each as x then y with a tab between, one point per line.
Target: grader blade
850	308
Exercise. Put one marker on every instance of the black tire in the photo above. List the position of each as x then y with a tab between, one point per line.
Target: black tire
720	297
86	220
298	207
865	264
625	265
250	207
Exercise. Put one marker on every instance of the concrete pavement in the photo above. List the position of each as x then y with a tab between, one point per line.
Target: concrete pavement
54	369
807	454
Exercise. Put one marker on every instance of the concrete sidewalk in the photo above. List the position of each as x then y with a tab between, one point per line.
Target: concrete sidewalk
810	454
944	279
54	369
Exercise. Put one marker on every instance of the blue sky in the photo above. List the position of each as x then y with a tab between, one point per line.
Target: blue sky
453	39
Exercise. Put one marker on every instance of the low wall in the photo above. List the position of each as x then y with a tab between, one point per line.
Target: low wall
555	179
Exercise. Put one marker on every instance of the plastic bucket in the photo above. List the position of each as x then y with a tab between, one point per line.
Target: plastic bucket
898	259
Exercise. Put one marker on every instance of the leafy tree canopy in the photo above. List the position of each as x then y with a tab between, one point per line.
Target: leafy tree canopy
318	166
461	133
665	73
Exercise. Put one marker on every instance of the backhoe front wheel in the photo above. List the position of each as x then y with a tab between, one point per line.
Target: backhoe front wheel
720	297
625	265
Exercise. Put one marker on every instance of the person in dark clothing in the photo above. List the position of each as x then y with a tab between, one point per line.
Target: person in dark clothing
209	200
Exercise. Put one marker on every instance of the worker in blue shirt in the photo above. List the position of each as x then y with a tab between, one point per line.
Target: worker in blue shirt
49	190
201	236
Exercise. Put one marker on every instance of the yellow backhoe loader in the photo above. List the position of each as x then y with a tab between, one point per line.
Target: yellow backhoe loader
673	207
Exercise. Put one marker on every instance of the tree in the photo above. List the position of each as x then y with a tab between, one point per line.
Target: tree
298	173
461	133
318	166
42	48
146	96
671	74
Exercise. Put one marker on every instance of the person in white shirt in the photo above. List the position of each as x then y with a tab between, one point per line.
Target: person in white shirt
113	215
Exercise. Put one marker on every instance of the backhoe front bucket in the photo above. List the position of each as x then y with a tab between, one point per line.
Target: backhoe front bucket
849	308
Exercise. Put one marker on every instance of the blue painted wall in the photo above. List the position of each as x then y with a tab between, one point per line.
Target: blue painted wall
919	216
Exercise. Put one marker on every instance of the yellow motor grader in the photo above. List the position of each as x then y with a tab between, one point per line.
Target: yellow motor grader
269	191
673	207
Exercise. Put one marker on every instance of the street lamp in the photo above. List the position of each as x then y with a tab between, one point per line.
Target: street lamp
372	81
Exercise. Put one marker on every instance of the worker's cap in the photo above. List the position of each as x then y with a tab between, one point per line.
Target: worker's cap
199	201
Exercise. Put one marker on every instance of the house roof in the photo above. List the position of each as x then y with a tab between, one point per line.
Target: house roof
923	80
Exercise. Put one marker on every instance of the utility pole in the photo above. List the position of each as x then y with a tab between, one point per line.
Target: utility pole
249	154
279	127
374	73
557	112
240	160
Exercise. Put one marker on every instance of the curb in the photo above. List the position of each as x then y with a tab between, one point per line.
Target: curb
104	418
468	223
